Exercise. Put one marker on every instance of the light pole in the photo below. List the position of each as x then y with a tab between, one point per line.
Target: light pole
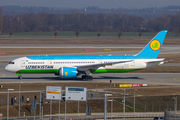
105	105
19	96
8	102
40	106
78	106
159	107
50	107
134	99
124	105
175	105
65	108
1	100
59	106
111	107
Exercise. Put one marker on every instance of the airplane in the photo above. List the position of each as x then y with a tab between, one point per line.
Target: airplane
68	67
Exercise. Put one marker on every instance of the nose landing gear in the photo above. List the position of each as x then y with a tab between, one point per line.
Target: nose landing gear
20	77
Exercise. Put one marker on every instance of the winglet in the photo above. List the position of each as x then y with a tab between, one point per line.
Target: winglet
151	50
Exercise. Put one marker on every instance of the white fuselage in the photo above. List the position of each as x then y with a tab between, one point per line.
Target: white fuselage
24	63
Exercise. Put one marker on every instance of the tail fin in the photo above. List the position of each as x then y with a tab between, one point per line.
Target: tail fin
151	50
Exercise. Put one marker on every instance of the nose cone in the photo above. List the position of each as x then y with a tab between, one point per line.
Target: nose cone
9	68
6	68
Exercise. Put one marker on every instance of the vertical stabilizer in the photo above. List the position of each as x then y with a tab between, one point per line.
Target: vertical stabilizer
151	50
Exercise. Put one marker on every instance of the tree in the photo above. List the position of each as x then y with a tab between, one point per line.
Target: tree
10	33
98	34
1	20
140	34
77	33
179	31
119	34
55	34
36	32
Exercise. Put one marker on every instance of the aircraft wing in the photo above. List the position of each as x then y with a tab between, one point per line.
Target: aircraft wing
95	66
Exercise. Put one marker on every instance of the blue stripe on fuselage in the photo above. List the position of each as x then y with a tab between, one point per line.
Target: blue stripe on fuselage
80	57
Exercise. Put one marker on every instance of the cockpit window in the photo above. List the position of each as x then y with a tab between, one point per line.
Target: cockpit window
11	63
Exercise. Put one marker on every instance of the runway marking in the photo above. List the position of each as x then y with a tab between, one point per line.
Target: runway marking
176	78
2	75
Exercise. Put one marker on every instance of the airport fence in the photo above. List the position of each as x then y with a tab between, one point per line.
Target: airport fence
95	101
171	115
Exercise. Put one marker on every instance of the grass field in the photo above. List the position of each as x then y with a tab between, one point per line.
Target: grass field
72	33
84	38
82	41
85	35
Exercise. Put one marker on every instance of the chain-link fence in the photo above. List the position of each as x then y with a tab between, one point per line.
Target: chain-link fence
95	101
171	115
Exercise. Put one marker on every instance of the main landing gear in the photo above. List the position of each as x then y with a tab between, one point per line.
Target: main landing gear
87	77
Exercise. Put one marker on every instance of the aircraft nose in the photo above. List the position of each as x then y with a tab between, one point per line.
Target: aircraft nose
7	68
10	68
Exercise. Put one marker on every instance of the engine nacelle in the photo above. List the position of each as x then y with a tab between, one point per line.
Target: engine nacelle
68	72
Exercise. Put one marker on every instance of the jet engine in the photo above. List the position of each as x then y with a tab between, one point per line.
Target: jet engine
68	72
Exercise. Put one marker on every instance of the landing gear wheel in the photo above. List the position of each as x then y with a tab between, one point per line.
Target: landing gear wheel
83	77
90	78
87	77
20	77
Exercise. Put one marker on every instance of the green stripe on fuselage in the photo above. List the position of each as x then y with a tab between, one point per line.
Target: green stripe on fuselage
112	70
34	71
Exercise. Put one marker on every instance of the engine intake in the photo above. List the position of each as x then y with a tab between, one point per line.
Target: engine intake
68	72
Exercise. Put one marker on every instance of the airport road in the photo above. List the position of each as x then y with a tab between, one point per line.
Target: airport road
147	78
139	78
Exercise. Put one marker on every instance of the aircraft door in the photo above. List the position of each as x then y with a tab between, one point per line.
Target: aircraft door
133	63
23	63
50	62
100	61
126	66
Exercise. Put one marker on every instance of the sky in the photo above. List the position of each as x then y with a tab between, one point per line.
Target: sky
98	3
